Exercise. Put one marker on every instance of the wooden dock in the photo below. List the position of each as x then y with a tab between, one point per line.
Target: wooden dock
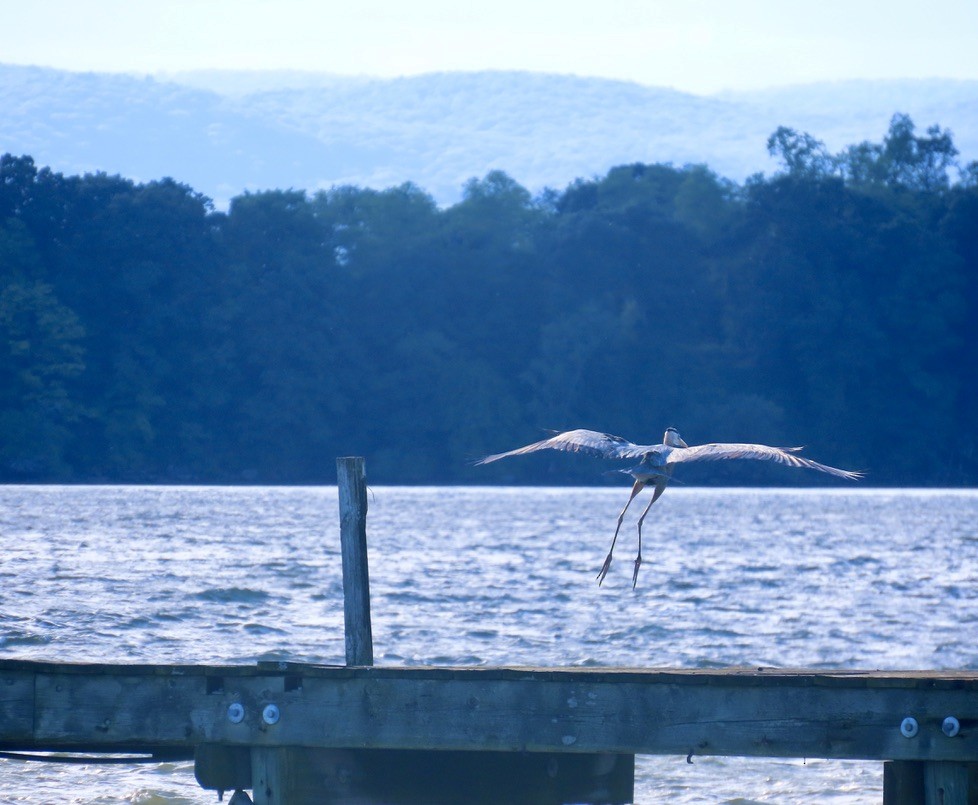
214	712
300	733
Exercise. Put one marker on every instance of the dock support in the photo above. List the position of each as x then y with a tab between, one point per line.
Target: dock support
284	775
352	485
268	767
903	782
303	776
945	783
935	782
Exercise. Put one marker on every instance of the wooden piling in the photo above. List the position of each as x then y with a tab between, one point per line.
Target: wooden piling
283	775
271	775
945	783
352	485
903	782
934	782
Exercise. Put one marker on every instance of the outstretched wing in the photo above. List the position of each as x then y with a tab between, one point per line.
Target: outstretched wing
759	452
580	441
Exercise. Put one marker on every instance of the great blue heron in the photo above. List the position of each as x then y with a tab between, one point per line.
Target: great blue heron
656	463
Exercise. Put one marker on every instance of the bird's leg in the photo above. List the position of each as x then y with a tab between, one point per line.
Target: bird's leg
659	489
636	488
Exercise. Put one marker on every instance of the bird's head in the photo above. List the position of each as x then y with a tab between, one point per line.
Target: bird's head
673	439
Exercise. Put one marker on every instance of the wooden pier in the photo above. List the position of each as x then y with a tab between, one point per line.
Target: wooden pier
300	733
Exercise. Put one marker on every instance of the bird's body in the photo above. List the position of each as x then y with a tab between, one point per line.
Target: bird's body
656	463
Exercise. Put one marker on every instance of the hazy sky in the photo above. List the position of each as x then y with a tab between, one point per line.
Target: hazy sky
696	45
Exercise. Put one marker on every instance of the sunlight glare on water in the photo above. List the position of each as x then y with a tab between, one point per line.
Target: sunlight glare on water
492	576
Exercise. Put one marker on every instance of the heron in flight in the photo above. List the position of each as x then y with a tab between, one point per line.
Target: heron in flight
656	463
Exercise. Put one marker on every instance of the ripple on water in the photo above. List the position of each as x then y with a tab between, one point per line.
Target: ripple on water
233	595
823	579
12	640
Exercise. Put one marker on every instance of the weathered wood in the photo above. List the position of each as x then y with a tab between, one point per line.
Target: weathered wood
16	704
352	486
945	783
903	782
307	776
222	768
274	772
594	710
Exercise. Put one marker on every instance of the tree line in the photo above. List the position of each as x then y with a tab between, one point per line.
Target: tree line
145	336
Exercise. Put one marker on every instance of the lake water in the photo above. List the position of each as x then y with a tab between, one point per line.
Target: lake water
492	576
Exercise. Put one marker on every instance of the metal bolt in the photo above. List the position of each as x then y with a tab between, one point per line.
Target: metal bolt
236	713
951	726
270	714
909	727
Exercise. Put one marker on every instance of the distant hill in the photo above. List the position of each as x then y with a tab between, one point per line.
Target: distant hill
224	132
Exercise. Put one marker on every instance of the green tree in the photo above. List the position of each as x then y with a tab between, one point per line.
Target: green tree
803	156
40	356
917	163
903	160
145	336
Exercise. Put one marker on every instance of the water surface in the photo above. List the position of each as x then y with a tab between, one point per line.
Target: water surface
492	576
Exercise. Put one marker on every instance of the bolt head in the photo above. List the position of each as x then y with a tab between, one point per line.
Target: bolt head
236	713
951	726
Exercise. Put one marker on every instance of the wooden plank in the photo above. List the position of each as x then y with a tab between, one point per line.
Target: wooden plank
629	717
734	676
16	705
91	711
774	714
352	486
145	707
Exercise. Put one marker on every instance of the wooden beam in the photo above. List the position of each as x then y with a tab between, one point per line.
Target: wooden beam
16	705
352	486
616	711
292	775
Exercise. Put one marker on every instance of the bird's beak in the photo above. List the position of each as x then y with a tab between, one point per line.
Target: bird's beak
682	443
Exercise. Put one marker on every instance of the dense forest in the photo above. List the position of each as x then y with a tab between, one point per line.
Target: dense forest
146	337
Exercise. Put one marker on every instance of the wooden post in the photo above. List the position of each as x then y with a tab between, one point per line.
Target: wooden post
945	783
291	775
934	782
287	775
273	775
352	485
903	782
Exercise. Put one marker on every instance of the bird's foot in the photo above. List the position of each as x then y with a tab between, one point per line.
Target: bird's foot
604	569
638	564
